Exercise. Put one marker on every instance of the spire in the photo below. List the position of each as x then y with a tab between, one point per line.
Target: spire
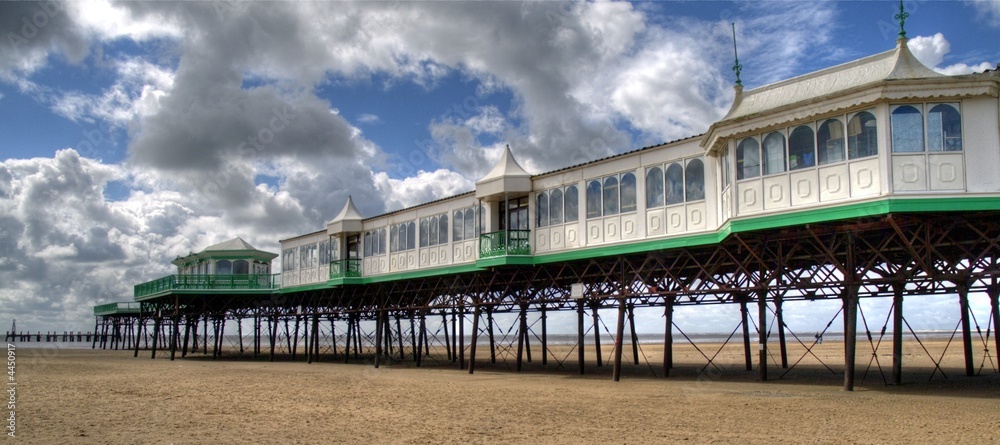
736	65
348	220
902	16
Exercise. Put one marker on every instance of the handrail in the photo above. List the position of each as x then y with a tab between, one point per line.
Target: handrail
349	268
505	242
208	282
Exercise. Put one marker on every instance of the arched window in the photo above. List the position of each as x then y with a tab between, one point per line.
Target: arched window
457	229
334	249
443	229
241	267
695	180
675	184
324	252
424	233
862	136
433	239
470	224
801	148
368	244
774	153
542	201
381	241
411	235
654	187
394	238
556	206
572	200
609	197
224	267
748	159
594	198
907	126
830	142
944	128
628	198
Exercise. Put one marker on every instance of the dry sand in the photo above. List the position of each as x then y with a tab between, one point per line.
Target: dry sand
84	396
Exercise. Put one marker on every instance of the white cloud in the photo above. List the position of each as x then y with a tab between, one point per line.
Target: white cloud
369	119
424	187
931	51
989	10
136	92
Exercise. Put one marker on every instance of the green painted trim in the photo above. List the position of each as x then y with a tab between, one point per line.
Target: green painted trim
306	287
509	260
423	273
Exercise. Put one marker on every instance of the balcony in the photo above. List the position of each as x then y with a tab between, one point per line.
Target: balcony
208	282
345	268
117	308
504	242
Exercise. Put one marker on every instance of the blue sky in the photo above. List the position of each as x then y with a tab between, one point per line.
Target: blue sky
134	132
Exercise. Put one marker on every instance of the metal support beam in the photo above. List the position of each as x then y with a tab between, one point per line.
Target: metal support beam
850	298
748	356
668	336
616	372
962	289
580	333
780	320
475	338
762	333
897	333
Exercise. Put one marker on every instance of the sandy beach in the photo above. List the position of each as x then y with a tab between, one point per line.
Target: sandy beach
94	396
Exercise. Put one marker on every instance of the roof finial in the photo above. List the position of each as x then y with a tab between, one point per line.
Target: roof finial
736	65
902	16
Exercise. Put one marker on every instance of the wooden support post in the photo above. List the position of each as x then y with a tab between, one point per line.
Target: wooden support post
780	320
635	337
378	337
489	322
475	338
748	356
668	336
156	334
545	343
850	298
897	333
963	299
762	333
447	338
597	335
616	372
580	333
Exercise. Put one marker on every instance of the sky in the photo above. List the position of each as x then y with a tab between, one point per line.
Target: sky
135	132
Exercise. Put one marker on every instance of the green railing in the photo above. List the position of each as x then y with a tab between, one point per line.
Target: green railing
117	308
505	242
345	268
208	282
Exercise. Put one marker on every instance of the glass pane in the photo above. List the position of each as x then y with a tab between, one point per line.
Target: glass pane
628	192
748	159
801	148
335	249
556	206
593	199
675	184
432	238
424	233
654	187
907	127
774	153
695	180
724	162
470	224
610	195
381	241
242	267
368	245
572	199
443	229
542	202
830	141
324	252
458	229
394	239
223	267
411	235
944	128
862	136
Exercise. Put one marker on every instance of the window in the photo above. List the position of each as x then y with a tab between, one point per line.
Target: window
675	184
654	187
334	249
223	267
593	199
324	252
393	238
443	228
862	136
241	267
628	193
556	206
411	235
944	128
434	230
830	142
609	195
458	233
724	162
748	159
470	223
695	180
381	241
801	148
542	201
424	232
907	124
367	243
432	239
774	153
572	200
288	259
401	237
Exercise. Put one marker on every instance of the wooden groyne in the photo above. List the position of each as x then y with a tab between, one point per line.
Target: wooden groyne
47	337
